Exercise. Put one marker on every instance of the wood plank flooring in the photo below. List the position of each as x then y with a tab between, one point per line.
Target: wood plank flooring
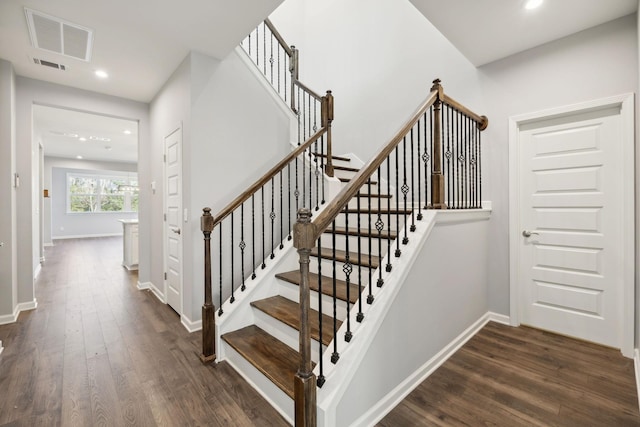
100	352
506	376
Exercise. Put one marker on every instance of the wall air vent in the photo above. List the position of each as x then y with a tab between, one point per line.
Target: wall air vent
59	36
49	64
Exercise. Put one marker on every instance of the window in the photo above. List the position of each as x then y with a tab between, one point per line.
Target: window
102	193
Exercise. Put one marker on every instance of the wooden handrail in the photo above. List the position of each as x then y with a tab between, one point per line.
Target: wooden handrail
278	37
309	91
482	121
226	211
337	204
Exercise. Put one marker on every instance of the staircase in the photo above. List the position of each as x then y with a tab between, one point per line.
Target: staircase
279	313
297	303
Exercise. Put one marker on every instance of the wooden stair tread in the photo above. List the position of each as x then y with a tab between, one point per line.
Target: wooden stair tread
386	234
276	360
288	312
345	168
383	211
344	179
341	158
327	285
327	253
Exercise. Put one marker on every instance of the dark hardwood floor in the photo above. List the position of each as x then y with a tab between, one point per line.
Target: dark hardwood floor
506	376
99	352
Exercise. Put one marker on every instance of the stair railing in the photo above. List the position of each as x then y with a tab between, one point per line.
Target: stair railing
254	224
279	63
432	163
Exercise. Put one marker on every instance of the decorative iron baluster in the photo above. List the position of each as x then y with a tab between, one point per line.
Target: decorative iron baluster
479	160
253	235
397	197
322	166
242	246
289	199
264	48
220	311
460	158
321	379
404	188
281	216
233	298
335	355
447	114
272	217
347	268
360	315
419	178
262	226
413	222
271	59
389	266
379	227
369	246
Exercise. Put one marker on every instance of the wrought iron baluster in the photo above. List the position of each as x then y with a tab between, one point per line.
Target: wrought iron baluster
448	154
347	268
419	178
264	48
233	298
389	266
460	157
317	174
379	227
272	216
321	379
242	246
404	188
271	59
289	199
479	160
397	197
262	226
220	311
369	246
335	355
253	235
413	203
360	315
322	166
281	215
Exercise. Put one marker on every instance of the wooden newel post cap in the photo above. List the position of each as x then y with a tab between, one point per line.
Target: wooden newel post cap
436	84
206	221
304	230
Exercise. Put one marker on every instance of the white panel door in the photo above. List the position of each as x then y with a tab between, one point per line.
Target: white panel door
571	218
173	222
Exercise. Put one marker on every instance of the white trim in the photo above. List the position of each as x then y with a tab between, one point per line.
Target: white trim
626	104
37	270
189	324
395	396
1	347
499	318
85	236
143	286
23	306
636	366
50	244
156	291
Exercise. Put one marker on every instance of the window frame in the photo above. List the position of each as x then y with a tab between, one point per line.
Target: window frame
129	178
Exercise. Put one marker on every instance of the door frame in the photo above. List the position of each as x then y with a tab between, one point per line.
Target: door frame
627	115
165	283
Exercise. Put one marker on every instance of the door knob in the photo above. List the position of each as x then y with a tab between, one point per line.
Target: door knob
527	233
176	230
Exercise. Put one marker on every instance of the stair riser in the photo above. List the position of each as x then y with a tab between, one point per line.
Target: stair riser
364	221
263	385
292	292
341	244
283	332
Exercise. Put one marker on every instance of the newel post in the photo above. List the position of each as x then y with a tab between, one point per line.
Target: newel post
327	120
437	179
305	380
293	69
208	310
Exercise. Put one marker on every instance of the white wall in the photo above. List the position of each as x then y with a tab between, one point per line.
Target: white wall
8	266
379	58
60	224
595	63
233	132
28	93
441	298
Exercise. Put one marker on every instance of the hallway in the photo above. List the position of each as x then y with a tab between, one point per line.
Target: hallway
97	351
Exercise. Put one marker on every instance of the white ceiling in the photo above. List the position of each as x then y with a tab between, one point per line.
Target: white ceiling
140	43
488	30
60	131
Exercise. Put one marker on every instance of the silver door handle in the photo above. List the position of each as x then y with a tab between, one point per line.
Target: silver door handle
176	230
527	233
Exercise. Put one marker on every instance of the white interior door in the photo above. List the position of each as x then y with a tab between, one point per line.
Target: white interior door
572	222
173	219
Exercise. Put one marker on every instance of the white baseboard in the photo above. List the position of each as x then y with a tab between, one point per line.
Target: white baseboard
85	236
395	396
144	285
499	318
48	245
636	364
159	294
190	325
24	306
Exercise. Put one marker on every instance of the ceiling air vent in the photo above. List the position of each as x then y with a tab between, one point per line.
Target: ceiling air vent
49	64
56	35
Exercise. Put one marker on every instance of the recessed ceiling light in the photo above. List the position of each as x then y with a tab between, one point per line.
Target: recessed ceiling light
533	4
101	74
82	138
71	135
99	138
127	132
79	157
